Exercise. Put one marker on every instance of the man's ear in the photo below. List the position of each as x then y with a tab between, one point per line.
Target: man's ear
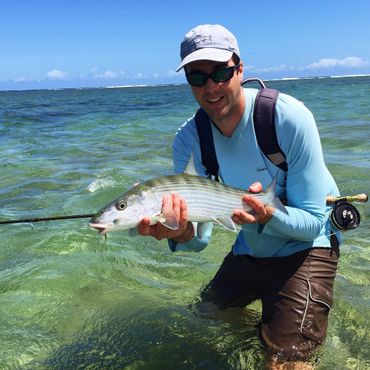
240	71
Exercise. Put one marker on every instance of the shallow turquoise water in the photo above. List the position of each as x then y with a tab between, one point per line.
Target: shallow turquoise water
69	299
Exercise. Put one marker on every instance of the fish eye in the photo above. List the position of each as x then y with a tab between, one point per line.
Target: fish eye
121	205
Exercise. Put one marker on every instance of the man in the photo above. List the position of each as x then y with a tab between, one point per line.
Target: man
287	260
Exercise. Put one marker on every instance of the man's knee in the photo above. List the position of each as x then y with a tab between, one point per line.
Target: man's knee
288	347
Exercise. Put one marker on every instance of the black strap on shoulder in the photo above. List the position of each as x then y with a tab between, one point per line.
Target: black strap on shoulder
264	126
207	146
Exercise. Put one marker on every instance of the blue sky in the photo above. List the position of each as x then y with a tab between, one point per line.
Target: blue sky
77	43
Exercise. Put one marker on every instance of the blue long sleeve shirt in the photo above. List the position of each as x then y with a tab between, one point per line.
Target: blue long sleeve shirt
304	187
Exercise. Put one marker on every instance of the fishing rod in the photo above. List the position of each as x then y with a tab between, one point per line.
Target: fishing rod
343	201
330	199
39	219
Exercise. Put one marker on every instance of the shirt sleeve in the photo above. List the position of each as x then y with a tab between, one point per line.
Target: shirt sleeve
307	176
203	232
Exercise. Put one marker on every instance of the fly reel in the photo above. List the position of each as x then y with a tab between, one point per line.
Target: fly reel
345	216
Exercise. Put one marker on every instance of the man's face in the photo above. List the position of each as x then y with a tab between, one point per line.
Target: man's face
222	101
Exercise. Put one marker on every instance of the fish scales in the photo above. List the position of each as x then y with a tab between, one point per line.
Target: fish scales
202	195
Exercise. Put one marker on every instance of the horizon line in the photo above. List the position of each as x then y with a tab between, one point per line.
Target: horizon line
183	83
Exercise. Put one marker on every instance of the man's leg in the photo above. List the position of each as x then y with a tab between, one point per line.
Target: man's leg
296	308
233	284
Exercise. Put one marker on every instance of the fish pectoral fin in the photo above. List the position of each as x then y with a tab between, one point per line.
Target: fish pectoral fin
169	220
227	223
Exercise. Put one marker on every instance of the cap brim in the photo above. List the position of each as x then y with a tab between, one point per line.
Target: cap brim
216	55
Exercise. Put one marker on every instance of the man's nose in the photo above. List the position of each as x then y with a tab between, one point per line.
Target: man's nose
211	86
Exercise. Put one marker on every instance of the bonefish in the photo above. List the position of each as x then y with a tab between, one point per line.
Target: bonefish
206	200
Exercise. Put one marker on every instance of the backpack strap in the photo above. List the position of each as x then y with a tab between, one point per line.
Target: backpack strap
207	146
264	127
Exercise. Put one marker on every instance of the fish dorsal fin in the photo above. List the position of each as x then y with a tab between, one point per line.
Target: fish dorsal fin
226	222
190	167
272	186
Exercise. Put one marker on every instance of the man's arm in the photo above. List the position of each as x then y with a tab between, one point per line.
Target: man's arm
307	179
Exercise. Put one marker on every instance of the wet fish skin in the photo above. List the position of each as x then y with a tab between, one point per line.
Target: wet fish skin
206	200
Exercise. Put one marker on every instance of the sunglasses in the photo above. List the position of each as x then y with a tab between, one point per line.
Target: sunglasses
218	76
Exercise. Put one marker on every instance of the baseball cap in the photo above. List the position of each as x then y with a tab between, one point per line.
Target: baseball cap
208	42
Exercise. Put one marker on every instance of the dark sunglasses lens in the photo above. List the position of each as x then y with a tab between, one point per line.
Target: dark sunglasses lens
196	79
223	74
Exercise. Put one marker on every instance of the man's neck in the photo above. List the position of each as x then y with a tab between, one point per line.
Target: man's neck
228	124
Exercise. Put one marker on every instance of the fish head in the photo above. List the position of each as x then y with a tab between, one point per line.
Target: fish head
126	212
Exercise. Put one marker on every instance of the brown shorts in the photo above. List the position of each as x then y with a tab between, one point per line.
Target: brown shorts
296	294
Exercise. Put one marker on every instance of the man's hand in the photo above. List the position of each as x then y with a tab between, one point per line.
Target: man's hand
261	214
176	206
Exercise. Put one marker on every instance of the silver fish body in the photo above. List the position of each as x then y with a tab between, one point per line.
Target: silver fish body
206	200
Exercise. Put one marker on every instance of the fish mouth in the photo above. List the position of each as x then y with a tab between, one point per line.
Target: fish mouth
102	230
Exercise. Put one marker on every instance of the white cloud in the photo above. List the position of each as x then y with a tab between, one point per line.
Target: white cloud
140	76
248	67
56	74
324	63
22	79
110	75
281	67
332	62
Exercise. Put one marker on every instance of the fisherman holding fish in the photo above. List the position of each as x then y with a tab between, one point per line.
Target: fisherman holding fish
285	257
287	260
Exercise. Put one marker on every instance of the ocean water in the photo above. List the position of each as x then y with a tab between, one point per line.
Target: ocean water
71	300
